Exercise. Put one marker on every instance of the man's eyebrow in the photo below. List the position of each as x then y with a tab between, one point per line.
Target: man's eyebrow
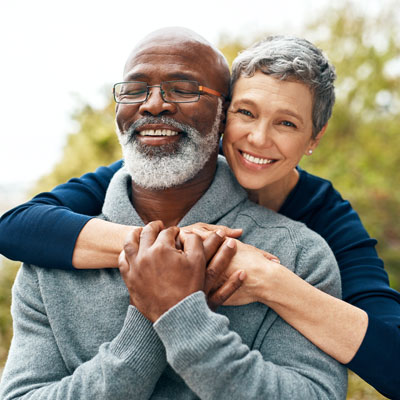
136	77
183	76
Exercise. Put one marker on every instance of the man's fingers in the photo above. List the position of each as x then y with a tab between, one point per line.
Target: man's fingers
131	244
219	263
229	287
123	265
168	236
212	243
150	233
193	248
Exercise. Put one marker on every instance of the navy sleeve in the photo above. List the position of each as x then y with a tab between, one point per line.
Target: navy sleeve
365	282
44	230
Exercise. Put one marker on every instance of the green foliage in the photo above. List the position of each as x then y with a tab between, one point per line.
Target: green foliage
8	270
359	153
95	143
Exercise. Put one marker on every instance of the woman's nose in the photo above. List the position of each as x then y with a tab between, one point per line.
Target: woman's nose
260	136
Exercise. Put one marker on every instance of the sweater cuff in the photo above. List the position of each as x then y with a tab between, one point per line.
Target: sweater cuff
189	329
138	344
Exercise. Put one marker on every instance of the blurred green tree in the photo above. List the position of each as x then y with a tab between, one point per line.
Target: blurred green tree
359	153
94	143
8	270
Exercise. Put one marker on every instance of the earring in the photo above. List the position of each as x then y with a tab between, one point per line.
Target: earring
310	152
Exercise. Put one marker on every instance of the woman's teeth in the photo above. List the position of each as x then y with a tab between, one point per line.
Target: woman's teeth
158	132
256	160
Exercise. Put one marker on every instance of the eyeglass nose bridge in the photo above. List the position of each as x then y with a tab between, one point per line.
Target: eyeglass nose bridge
162	92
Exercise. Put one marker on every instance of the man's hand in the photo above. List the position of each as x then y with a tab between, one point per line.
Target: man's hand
159	271
156	273
219	253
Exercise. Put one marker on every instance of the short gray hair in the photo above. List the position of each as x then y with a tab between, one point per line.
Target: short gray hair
293	59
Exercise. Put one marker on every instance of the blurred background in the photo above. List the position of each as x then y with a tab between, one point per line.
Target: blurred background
60	59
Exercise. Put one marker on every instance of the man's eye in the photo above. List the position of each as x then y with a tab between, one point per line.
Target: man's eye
288	124
183	92
245	112
134	92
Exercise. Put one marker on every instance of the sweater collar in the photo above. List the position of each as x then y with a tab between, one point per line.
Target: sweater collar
223	195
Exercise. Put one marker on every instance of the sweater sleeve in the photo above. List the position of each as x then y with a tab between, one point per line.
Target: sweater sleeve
128	367
44	230
215	364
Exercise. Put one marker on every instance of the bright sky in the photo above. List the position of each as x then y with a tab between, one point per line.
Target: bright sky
56	52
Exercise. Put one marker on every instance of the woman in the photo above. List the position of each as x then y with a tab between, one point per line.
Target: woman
282	99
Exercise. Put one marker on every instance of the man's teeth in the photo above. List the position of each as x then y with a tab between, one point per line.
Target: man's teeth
256	160
158	132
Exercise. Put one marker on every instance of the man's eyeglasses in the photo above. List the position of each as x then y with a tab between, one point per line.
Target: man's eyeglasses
171	92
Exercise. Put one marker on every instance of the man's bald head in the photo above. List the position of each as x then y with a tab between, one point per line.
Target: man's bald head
193	46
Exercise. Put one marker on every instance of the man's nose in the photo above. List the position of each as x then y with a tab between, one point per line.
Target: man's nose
155	104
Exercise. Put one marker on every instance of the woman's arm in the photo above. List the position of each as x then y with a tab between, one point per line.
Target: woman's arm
44	230
57	230
361	339
333	325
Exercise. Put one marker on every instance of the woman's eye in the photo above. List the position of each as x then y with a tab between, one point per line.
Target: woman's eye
245	112
288	124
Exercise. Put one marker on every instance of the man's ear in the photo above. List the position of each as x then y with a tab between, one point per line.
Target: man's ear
222	124
315	142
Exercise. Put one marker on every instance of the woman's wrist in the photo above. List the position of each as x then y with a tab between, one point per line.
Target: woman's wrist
99	245
268	288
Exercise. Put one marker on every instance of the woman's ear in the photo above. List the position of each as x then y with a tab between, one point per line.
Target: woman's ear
315	142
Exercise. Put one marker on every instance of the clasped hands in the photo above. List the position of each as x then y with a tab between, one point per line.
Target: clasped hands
162	266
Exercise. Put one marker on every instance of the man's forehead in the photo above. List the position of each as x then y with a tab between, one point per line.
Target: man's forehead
177	51
185	53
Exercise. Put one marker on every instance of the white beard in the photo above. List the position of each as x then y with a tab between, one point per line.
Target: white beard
153	168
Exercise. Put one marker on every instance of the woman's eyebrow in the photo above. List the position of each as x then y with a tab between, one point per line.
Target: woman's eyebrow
292	113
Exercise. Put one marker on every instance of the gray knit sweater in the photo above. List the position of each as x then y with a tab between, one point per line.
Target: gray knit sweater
76	337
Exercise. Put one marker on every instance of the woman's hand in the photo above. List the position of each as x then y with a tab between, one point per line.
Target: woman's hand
260	268
204	230
217	254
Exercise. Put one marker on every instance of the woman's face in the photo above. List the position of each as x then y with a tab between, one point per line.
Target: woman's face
269	128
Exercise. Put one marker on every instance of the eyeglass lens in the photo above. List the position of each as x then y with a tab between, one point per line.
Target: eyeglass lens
171	91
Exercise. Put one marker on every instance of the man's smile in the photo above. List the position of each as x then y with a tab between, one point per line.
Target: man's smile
158	132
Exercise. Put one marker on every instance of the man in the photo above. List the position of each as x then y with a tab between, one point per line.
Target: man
94	335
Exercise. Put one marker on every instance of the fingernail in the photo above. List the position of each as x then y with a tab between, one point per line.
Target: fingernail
242	275
231	243
220	233
275	260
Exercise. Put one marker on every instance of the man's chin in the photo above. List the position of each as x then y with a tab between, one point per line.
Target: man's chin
160	151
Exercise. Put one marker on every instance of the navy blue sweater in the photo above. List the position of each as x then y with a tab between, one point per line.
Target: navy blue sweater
44	230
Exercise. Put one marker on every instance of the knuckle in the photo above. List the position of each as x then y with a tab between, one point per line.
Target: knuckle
128	248
211	274
218	299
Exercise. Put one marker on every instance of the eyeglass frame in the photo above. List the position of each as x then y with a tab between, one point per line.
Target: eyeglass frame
201	89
